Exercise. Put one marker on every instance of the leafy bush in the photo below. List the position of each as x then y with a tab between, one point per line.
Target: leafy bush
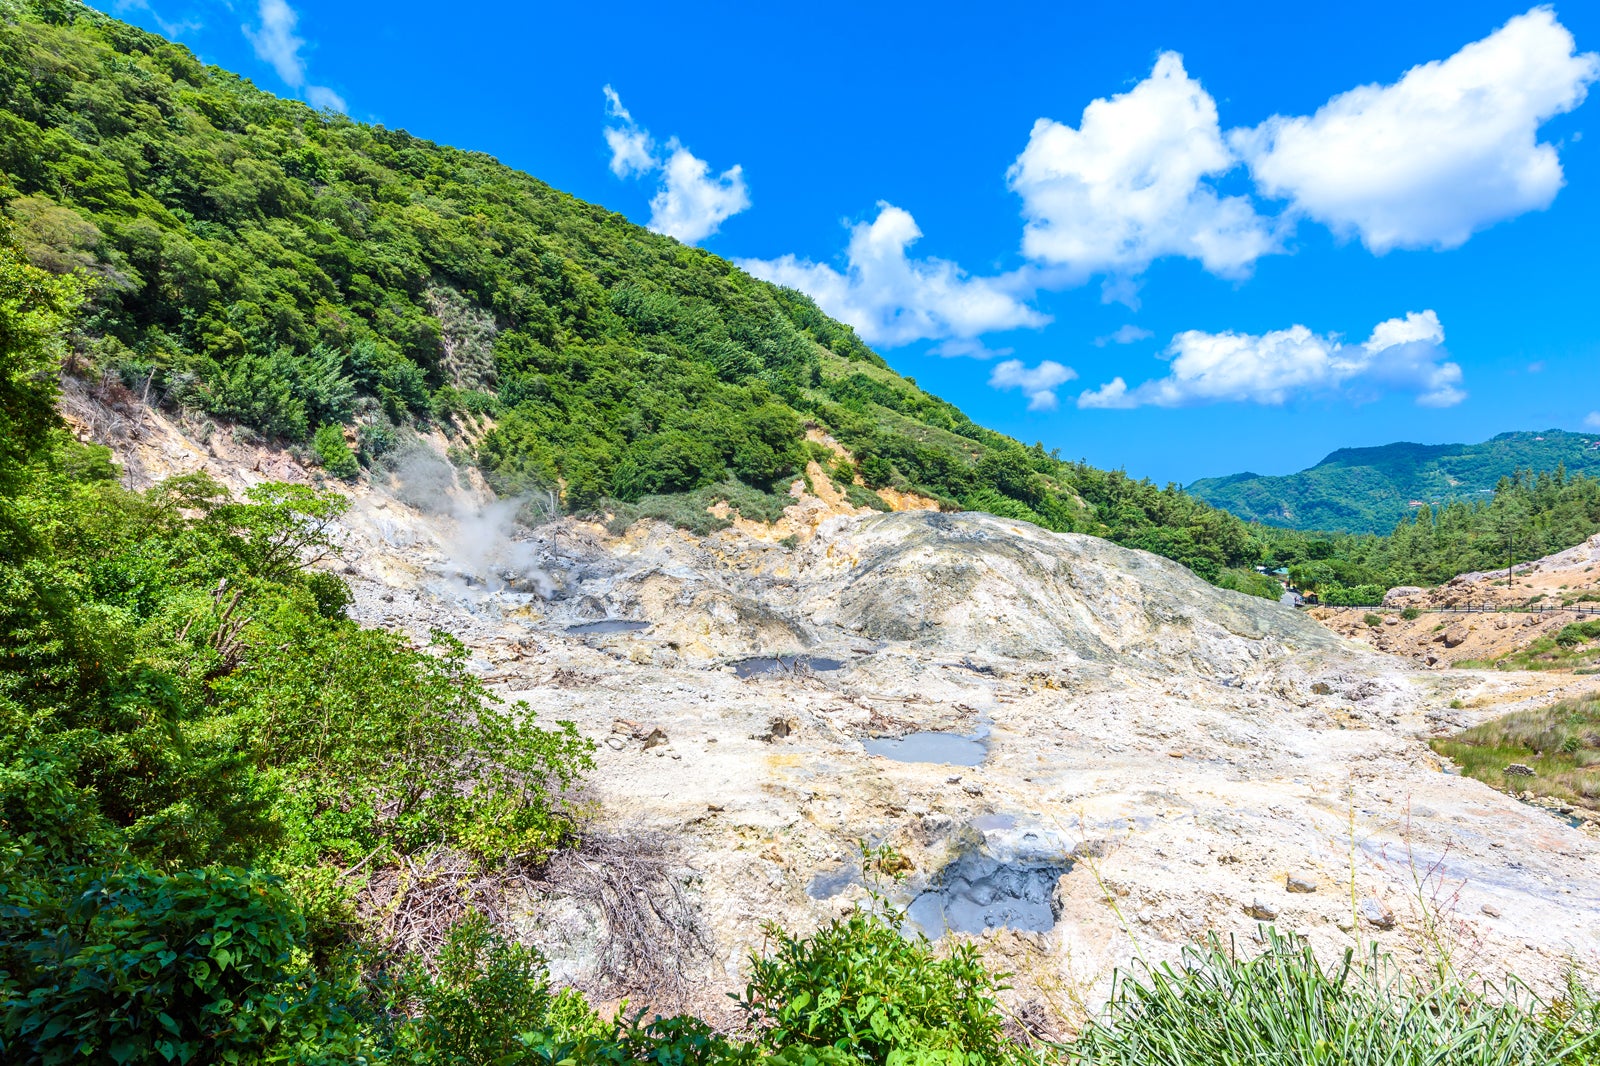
334	452
1411	614
1372	621
139	966
859	987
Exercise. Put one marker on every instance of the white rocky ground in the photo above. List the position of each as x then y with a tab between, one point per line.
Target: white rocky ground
1176	753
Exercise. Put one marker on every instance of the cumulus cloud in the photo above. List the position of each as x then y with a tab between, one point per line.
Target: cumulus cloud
1404	354
169	27
1128	334
1130	184
1593	420
691	202
325	99
893	299
1038	384
276	42
1450	148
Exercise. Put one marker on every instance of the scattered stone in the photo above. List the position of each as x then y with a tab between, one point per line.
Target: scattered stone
1377	913
1518	769
1491	910
1322	688
614	742
1300	883
972	788
1145	917
656	738
1261	910
1345	923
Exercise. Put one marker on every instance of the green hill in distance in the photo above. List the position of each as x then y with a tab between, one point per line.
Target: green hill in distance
1370	490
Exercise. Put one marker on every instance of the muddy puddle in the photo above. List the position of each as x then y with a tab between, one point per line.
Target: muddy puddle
765	665
952	749
978	892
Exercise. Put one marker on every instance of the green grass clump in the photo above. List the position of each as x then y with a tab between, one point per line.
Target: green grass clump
1284	1007
1572	647
1561	744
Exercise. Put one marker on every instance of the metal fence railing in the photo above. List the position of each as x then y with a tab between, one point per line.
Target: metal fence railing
1469	608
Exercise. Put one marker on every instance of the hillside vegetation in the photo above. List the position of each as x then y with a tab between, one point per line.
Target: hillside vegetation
256	261
1371	490
1527	517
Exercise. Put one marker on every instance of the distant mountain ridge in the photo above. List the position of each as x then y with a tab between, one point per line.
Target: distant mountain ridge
1369	490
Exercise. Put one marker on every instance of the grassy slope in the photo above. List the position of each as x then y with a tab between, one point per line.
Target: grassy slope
1369	490
1560	744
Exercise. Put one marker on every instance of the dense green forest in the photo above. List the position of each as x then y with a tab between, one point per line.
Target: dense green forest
1527	517
1372	490
248	258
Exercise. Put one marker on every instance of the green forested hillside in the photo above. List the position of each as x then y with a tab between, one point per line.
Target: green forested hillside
285	269
1371	490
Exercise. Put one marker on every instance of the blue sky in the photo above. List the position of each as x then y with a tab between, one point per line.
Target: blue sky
1183	239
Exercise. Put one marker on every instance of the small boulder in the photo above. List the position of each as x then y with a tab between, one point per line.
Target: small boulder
1300	883
1322	688
1491	910
1518	769
1377	913
1261	910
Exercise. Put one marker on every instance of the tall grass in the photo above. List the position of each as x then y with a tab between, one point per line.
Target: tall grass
1282	1006
1560	744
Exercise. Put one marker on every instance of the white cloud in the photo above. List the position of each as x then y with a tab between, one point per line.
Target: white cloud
325	99
892	299
167	27
1593	420
275	41
691	203
1128	186
1128	334
1444	152
967	348
632	151
1403	354
1038	384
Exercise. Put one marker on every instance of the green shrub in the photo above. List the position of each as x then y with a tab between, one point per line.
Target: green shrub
372	743
1373	621
334	452
857	985
139	966
1411	614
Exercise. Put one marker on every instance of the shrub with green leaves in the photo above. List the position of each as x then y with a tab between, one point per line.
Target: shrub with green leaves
371	743
132	965
859	987
334	452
